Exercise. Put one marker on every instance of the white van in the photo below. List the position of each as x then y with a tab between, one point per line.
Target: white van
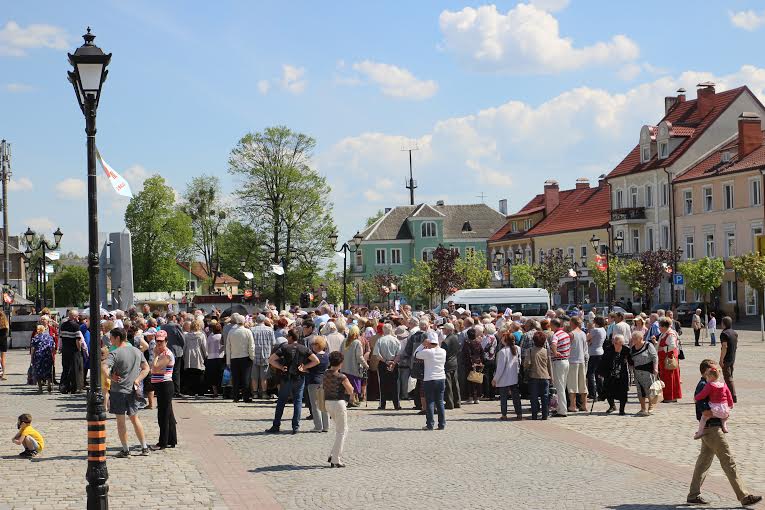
530	302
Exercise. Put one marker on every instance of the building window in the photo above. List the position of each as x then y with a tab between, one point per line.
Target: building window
645	153
663	150
665	236
730	291
650	246
755	192
619	199
756	232
395	256
191	286
513	227
727	196
583	252
708	204
469	250
689	250
528	224
710	245
664	194
455	251
688	202
633	196
428	229
427	254
648	195
359	258
380	256
635	240
730	244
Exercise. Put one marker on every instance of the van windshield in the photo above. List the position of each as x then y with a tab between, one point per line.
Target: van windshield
527	309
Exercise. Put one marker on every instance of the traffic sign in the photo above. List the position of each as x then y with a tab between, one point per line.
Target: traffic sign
679	279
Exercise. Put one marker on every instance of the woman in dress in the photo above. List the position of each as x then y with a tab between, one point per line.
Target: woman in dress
472	359
613	369
354	364
643	357
638	326
194	354
669	365
41	351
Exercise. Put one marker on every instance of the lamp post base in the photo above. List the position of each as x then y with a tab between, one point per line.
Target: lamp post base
97	474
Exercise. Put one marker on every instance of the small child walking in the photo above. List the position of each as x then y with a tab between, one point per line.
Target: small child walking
720	400
712	328
28	437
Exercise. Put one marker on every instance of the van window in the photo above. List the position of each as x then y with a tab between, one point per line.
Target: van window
527	309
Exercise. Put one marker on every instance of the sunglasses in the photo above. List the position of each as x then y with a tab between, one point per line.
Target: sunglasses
161	341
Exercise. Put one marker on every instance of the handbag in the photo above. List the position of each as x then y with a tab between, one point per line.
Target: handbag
681	355
417	370
670	364
411	384
656	388
475	377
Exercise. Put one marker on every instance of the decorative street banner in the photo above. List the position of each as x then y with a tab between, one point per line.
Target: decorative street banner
118	182
600	262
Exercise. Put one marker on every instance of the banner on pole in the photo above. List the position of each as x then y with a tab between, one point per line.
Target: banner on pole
118	182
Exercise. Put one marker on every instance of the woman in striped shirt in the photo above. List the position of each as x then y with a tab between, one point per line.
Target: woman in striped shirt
162	380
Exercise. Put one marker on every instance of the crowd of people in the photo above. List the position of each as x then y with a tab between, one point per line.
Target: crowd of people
330	361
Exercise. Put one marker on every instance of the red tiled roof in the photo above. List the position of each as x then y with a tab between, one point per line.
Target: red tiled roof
713	165
583	209
199	270
684	117
534	205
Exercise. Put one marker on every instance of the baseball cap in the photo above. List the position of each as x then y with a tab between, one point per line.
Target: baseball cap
150	332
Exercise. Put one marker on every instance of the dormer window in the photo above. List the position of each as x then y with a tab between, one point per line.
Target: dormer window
725	158
466	227
645	154
528	224
428	229
514	227
663	150
647	136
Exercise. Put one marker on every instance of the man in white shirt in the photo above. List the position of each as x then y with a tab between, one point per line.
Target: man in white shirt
434	382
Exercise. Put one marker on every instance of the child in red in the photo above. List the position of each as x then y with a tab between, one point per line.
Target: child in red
720	400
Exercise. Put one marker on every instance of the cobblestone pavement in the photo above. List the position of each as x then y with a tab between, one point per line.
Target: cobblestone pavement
225	461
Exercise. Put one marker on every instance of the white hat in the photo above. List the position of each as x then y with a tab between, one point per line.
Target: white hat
432	337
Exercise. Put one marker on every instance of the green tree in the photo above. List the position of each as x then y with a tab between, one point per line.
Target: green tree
655	265
281	197
238	241
418	285
71	286
522	276
161	233
203	205
703	275
446	279
751	269
472	267
550	270
376	216
631	273
605	280
369	291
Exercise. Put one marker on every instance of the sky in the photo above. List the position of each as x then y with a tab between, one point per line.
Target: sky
497	98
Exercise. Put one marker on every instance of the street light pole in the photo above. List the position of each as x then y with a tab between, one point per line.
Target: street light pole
87	77
5	168
609	251
29	236
345	249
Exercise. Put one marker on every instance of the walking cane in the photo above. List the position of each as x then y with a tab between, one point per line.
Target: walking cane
593	405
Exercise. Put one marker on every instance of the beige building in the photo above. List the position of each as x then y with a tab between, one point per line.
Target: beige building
719	210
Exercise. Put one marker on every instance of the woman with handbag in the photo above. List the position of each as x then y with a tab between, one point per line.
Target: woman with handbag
646	362
489	346
613	368
472	354
354	364
506	375
669	365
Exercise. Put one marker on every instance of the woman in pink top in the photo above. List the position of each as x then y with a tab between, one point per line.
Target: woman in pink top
162	379
720	400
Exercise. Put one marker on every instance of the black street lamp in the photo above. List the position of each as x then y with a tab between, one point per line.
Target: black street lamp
345	249
87	77
29	237
608	250
502	265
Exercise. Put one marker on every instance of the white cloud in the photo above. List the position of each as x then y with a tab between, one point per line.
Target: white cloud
293	79
525	40
264	86
550	5
40	224
71	189
747	20
629	72
506	151
396	81
16	40
18	87
22	184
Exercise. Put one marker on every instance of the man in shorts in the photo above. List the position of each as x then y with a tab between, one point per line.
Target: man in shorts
127	367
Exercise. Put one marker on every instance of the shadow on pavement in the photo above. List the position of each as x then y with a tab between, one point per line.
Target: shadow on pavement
641	506
390	429
285	467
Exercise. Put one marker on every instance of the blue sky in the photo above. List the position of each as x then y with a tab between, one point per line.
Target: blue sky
499	97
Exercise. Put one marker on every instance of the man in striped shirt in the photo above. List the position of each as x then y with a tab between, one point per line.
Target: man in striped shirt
560	346
265	340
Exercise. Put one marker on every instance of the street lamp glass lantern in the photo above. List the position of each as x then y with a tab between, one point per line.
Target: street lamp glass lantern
242	263
333	239
619	242
29	235
57	235
595	241
357	239
89	63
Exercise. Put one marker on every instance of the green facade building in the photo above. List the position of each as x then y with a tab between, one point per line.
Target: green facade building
412	232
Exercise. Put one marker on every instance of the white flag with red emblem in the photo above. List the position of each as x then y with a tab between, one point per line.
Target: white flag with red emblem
118	182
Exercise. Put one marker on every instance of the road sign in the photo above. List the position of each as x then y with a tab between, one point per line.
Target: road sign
679	279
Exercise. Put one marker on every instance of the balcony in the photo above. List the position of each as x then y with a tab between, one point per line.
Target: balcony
628	214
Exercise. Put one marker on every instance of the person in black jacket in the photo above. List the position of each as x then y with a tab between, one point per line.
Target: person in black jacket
451	345
72	373
175	343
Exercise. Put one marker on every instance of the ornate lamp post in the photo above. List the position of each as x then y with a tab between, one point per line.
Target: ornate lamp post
87	77
345	249
29	237
608	250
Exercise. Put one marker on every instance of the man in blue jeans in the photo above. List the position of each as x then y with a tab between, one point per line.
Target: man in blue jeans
292	360
434	382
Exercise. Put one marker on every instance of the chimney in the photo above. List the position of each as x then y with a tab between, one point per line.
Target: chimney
503	207
601	180
583	183
681	95
705	95
749	133
387	210
439	203
552	195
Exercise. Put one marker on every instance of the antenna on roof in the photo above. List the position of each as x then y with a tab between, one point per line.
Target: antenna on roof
482	197
411	184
